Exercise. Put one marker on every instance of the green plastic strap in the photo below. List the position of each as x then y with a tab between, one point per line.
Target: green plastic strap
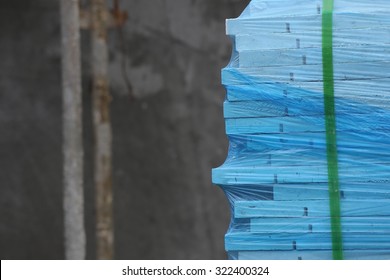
330	122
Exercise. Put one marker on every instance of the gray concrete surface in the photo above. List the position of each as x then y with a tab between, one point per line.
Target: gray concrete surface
165	142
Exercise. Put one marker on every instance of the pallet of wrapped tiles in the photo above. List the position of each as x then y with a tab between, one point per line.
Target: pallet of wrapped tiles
276	175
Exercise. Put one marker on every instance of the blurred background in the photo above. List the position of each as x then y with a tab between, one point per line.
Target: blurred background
168	132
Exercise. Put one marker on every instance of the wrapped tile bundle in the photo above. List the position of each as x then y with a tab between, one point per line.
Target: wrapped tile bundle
308	119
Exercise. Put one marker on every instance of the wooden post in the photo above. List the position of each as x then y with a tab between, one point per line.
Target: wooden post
75	239
99	22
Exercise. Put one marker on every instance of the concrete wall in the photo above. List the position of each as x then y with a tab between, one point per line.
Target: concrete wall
165	142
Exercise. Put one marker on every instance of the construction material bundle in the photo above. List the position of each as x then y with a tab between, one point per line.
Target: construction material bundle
308	119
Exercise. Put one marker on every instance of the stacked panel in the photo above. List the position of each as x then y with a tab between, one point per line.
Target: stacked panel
276	173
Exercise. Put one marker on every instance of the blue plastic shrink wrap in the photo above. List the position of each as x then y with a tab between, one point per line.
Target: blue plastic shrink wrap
277	173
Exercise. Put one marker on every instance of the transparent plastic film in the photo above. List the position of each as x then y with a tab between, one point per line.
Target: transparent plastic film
307	114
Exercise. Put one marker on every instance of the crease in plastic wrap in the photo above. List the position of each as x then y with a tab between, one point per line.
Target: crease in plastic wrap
276	175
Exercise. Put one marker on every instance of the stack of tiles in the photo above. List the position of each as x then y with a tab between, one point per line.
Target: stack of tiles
276	173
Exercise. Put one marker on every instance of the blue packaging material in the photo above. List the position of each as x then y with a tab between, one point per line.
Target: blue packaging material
276	173
309	255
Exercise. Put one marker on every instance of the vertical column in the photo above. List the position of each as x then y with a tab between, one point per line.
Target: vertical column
102	129
75	239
